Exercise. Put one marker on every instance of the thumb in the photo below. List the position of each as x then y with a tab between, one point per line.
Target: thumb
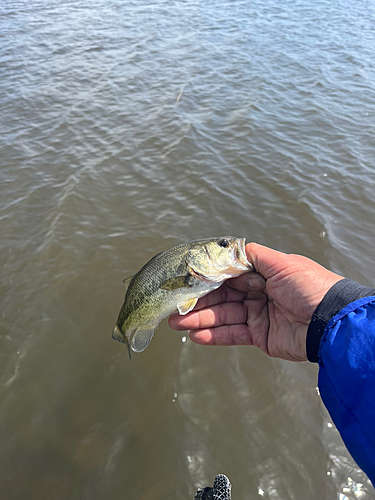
265	260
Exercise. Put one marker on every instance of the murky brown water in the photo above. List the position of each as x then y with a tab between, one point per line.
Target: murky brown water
102	166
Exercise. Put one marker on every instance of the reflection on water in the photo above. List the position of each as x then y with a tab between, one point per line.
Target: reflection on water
127	128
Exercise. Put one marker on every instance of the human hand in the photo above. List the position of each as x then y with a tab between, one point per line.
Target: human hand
270	309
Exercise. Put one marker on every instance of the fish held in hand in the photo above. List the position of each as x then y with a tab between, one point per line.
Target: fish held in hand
175	280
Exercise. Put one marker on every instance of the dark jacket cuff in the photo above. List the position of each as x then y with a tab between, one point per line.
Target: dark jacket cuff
342	293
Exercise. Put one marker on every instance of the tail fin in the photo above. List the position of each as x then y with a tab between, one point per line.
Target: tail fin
119	337
142	338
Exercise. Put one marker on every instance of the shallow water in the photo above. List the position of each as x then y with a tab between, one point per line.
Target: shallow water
127	128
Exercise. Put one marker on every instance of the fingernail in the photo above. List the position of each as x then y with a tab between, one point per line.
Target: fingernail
256	282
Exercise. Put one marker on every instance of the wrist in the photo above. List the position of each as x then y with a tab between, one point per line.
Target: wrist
338	296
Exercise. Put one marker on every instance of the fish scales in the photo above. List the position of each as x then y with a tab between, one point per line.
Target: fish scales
174	280
145	285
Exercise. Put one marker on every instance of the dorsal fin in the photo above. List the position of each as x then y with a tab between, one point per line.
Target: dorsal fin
126	282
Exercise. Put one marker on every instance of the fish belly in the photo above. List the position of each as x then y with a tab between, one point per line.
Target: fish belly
145	320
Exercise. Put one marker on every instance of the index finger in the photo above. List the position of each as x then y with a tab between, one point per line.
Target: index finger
222	294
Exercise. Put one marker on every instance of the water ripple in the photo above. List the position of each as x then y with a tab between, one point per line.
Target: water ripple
128	128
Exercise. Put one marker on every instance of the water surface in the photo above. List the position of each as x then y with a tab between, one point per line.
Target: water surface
128	128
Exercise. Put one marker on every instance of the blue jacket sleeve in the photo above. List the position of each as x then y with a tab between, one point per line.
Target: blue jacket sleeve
341	338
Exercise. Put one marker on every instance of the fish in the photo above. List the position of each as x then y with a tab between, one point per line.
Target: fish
174	280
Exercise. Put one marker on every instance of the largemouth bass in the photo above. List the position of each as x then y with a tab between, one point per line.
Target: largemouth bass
175	280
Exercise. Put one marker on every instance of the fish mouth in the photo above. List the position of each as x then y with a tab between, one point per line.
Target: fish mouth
239	263
239	256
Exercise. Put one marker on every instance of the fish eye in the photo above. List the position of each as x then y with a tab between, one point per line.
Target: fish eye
223	243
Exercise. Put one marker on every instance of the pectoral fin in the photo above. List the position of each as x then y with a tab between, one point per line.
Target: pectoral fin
142	339
177	282
187	306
